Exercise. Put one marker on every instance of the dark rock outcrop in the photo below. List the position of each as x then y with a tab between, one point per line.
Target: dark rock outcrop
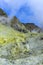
16	24
32	27
2	13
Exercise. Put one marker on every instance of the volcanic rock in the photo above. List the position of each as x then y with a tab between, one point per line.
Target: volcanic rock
16	24
2	13
32	27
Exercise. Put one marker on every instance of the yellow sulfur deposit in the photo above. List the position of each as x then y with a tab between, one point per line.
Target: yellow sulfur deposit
11	42
8	35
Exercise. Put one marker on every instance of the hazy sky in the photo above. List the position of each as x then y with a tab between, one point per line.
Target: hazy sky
25	10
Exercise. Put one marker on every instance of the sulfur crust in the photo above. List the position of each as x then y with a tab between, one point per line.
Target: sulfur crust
8	35
14	38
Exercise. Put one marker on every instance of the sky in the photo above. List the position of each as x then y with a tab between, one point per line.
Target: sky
27	11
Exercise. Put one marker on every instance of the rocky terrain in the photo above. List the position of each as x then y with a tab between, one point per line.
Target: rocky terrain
16	24
20	44
32	27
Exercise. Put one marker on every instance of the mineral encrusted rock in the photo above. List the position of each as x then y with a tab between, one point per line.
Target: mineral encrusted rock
17	48
11	42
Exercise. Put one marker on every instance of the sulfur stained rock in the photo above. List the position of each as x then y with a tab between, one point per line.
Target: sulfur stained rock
11	42
18	48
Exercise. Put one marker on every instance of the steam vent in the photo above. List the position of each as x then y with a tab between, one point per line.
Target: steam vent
20	44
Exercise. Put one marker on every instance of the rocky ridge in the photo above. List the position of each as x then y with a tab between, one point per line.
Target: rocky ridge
2	13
